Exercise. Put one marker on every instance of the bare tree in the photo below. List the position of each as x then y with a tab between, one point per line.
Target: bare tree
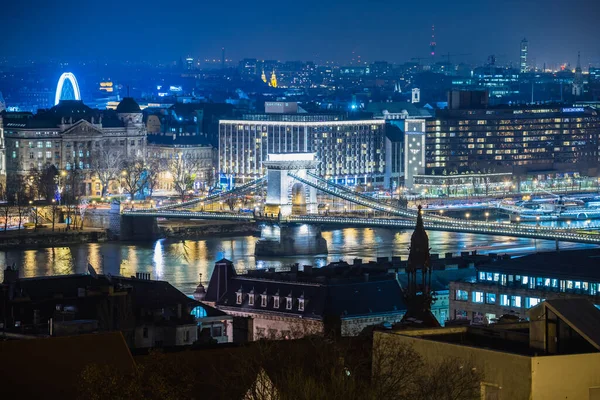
155	166
184	171
134	176
106	166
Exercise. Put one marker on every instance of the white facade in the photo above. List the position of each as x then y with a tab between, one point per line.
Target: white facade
414	150
346	149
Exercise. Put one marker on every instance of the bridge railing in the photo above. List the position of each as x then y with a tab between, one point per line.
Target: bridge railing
237	189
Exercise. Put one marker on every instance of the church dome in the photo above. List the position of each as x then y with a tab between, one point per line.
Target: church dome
128	106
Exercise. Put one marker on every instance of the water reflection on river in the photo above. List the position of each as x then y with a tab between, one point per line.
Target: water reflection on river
180	262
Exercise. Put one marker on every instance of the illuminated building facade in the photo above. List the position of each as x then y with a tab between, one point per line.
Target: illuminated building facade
511	286
414	150
510	139
350	151
70	135
523	56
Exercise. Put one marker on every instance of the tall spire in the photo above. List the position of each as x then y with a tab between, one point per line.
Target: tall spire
418	294
419	245
578	68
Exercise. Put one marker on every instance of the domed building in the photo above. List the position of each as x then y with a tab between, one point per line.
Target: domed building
74	137
129	112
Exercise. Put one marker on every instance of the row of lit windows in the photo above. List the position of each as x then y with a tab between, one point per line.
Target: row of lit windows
504	300
264	300
531	282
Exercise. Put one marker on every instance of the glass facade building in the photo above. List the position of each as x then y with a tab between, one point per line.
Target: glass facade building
350	152
513	140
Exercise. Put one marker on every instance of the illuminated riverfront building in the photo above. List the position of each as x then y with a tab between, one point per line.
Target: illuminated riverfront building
511	286
513	139
350	151
70	136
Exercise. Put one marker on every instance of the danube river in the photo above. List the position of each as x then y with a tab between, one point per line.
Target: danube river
181	262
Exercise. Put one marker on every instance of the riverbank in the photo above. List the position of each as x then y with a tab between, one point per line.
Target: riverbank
42	238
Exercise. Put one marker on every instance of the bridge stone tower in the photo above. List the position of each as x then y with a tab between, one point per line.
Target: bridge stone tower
285	195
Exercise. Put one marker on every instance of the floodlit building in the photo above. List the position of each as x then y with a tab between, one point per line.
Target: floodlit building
510	286
199	160
70	135
552	357
513	139
523	56
350	151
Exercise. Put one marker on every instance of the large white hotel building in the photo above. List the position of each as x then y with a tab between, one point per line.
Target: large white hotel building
350	151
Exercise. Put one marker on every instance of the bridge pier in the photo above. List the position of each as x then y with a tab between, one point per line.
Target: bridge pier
138	228
290	240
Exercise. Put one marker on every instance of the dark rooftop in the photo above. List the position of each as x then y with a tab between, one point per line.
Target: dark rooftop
128	105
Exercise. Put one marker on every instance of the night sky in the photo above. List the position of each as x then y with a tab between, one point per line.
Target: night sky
393	30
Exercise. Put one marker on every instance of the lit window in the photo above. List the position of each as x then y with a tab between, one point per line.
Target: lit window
482	276
276	302
300	304
525	280
532	302
288	303
238	298
515	301
489	276
251	298
496	277
490	298
263	300
477	297
504	300
462	295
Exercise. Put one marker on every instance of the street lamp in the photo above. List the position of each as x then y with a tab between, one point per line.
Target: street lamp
53	213
467	215
487	214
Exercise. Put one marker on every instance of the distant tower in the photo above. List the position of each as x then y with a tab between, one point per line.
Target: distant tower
222	57
432	44
418	294
189	63
273	82
578	80
263	76
416	95
2	104
523	56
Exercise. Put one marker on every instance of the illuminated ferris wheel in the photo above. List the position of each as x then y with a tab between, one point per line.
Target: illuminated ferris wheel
59	88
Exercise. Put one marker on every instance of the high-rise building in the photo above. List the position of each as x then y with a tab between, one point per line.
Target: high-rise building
523	56
414	149
513	139
350	151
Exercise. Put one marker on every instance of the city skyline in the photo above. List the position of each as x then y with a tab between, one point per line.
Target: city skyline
339	32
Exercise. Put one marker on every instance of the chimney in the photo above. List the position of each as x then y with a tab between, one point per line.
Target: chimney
357	262
308	269
448	255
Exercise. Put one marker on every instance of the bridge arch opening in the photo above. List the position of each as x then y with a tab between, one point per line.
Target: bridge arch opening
298	199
